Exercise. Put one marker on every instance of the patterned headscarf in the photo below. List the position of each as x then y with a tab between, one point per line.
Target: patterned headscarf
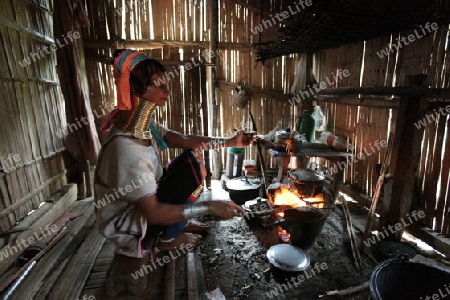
123	65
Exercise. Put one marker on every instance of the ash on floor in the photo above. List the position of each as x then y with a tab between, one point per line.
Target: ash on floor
234	260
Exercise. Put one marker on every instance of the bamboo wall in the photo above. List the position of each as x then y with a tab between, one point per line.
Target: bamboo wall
32	111
364	125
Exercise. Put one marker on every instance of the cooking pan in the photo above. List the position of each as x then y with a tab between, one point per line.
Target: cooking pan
242	189
308	182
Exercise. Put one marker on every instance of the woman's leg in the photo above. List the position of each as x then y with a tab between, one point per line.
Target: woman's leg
182	176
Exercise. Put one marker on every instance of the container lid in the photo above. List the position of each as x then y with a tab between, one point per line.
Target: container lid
243	184
236	150
288	257
305	175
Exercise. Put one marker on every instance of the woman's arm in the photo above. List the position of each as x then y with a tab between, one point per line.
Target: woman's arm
177	140
168	214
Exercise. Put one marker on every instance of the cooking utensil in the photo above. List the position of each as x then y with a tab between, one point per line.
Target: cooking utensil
288	141
308	182
242	189
303	223
287	261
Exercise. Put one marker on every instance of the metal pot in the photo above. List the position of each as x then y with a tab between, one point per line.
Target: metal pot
308	182
242	189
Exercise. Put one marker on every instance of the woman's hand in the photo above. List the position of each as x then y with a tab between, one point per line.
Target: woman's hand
225	209
242	138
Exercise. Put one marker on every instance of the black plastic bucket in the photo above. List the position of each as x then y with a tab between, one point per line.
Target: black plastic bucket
402	279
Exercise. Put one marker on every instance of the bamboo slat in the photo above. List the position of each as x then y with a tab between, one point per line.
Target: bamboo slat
441	203
428	185
435	131
70	284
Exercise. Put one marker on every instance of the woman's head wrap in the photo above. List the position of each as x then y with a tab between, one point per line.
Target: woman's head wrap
123	65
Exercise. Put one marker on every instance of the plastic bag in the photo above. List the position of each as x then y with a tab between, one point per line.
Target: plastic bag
299	83
320	119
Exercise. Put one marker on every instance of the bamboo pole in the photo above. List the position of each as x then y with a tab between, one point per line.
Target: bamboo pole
376	196
23	200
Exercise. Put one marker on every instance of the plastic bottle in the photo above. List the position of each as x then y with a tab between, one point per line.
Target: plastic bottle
306	125
337	142
234	162
237	164
229	164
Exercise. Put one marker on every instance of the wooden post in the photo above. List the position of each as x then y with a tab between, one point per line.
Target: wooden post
211	78
307	103
405	157
204	105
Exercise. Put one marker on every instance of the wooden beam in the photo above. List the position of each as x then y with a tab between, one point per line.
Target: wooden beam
362	198
143	44
223	84
72	280
380	102
157	44
363	101
405	156
17	204
417	91
438	104
169	281
47	214
77	231
37	35
192	289
195	276
434	239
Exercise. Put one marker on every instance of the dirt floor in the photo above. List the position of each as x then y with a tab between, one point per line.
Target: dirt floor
234	260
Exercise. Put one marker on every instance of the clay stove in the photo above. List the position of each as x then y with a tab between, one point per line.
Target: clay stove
301	218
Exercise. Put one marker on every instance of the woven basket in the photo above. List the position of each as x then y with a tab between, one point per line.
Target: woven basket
240	96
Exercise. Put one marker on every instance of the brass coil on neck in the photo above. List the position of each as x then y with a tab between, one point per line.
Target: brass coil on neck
136	120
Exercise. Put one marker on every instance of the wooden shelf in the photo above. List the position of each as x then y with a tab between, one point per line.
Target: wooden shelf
311	150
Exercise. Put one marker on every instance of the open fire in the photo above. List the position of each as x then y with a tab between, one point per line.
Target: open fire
287	196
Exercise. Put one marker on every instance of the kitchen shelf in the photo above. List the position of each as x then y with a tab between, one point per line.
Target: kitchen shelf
311	150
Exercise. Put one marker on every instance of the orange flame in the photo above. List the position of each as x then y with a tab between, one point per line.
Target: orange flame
284	196
283	235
